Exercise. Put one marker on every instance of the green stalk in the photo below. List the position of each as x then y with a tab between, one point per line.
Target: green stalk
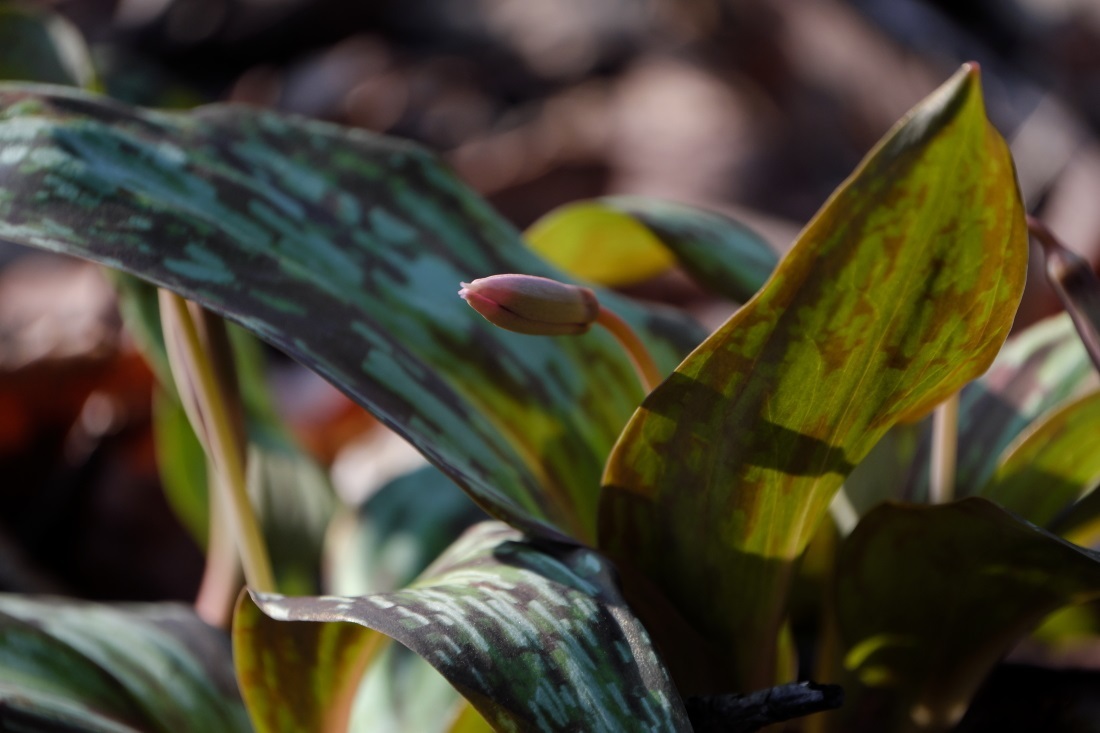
194	371
635	349
945	448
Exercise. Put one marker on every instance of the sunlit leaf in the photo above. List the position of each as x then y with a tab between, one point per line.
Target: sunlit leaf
1052	465
345	250
299	677
1038	369
535	636
599	244
621	240
79	666
930	597
900	290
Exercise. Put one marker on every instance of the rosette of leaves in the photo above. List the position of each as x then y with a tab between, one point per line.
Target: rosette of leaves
344	250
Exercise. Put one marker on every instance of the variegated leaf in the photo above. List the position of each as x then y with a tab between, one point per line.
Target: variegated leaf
535	636
900	290
79	666
345	250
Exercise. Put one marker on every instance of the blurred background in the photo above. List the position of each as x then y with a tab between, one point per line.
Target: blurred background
758	108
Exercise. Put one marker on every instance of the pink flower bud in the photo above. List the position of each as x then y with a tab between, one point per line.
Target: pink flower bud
532	305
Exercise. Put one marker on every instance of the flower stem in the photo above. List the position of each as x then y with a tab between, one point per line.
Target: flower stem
194	371
945	445
1076	285
635	349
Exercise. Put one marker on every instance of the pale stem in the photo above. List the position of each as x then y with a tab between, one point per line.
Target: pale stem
1060	261
185	350
221	576
635	349
945	446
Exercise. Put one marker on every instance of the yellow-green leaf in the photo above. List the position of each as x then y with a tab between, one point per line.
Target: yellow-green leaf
299	677
1052	465
899	291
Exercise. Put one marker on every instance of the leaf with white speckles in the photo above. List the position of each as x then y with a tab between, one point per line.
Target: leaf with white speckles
535	636
345	250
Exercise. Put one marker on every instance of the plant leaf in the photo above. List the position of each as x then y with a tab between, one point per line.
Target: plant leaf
344	250
900	290
299	677
1038	369
535	636
80	666
621	240
1053	465
930	597
39	45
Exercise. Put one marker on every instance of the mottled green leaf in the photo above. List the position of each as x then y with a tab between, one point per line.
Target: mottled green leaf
299	677
384	545
535	636
898	292
37	45
930	597
80	666
1038	369
344	249
621	240
1052	465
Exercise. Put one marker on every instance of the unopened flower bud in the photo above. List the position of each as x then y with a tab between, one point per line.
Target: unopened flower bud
532	305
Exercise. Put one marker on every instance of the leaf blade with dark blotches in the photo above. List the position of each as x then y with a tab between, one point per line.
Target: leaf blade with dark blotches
345	250
901	290
535	637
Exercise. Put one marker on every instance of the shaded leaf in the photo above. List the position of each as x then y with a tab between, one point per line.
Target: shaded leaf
930	597
1052	465
536	637
299	677
901	289
75	665
37	45
182	464
344	250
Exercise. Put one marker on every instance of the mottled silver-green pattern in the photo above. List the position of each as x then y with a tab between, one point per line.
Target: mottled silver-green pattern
79	666
345	250
535	636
